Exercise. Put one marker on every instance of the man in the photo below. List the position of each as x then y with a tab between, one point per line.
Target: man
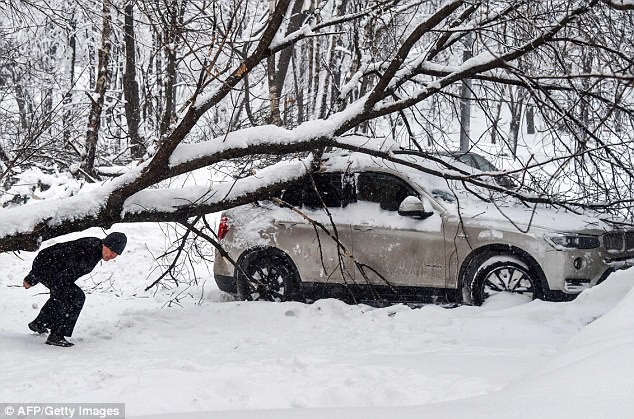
57	268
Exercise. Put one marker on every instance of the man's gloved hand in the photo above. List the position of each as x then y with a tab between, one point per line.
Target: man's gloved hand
26	284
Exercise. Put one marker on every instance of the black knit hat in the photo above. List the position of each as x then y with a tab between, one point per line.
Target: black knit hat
116	242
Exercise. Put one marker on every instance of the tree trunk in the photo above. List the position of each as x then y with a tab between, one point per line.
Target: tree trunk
94	118
333	76
323	90
584	103
312	81
5	162
277	70
298	74
530	119
21	101
153	97
495	124
335	86
516	107
68	96
274	94
170	37
314	74
130	85
49	78
465	101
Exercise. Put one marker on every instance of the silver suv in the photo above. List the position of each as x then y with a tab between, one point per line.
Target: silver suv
364	229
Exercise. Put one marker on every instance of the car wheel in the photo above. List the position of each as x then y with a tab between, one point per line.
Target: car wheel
267	275
503	274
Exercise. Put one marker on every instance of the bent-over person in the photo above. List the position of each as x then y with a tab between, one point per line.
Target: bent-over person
57	268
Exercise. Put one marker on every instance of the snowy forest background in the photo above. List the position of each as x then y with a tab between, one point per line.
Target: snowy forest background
149	90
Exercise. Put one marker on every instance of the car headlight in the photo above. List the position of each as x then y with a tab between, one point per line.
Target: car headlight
572	241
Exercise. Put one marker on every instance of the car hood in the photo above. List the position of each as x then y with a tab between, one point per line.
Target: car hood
522	217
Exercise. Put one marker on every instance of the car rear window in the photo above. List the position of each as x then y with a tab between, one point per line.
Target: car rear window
334	190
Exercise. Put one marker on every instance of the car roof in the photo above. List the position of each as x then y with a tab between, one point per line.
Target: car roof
441	167
481	162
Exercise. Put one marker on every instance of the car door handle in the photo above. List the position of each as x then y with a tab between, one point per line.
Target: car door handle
363	228
286	223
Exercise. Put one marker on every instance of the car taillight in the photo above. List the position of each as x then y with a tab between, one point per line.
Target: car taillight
223	228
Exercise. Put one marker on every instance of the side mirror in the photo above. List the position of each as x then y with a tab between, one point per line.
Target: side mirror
415	208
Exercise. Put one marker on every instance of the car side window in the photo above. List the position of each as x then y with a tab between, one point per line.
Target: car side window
335	190
387	190
293	195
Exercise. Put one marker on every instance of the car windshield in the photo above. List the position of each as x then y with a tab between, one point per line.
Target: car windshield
476	161
484	164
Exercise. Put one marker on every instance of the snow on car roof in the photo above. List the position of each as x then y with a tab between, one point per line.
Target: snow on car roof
353	161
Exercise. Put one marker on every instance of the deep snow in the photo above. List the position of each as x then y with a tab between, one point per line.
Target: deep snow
224	358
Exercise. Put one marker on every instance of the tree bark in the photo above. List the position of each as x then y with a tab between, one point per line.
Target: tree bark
530	119
299	88
21	101
274	93
68	96
5	162
516	106
171	34
278	69
94	118
130	85
465	105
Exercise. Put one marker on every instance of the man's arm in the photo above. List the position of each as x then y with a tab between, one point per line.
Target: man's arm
43	266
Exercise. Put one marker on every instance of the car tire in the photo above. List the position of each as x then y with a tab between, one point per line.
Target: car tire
502	273
267	275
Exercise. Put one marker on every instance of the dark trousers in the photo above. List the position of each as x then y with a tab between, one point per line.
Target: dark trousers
61	311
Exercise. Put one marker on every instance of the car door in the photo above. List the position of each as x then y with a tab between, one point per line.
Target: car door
399	250
316	253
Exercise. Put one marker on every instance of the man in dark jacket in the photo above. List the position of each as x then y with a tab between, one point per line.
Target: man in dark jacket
57	268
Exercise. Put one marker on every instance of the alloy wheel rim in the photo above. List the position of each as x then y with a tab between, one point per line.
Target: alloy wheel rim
508	279
268	284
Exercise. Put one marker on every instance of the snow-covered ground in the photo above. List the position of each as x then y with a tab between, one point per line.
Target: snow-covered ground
220	358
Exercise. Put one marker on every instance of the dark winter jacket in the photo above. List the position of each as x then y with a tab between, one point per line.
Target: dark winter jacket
64	263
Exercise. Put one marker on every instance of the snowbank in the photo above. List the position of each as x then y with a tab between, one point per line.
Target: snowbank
592	376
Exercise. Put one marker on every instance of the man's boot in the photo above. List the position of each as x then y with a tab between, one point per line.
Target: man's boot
58	340
37	327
